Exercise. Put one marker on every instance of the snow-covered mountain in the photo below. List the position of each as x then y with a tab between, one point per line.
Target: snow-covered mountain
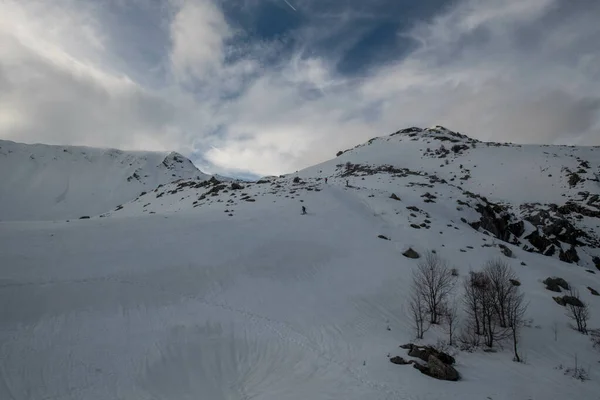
42	182
224	290
544	199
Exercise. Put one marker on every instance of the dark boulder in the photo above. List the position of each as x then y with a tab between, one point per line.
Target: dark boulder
399	361
410	253
393	196
555	284
568	300
236	186
593	291
383	237
440	370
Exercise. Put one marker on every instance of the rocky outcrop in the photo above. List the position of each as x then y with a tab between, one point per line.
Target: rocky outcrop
437	369
439	364
570	300
555	284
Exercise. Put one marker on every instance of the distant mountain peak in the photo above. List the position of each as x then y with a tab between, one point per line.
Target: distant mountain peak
436	132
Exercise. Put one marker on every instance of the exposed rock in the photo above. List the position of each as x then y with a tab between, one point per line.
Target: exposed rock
399	361
410	253
236	186
297	179
570	300
393	196
339	153
425	352
383	237
555	284
569	256
505	250
439	370
593	291
407	346
84	217
596	261
541	243
515	282
415	226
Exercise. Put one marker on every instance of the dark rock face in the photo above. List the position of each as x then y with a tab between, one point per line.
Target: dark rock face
437	369
570	300
399	361
569	256
506	251
410	253
383	237
85	217
393	196
236	186
439	364
555	284
593	291
596	261
424	352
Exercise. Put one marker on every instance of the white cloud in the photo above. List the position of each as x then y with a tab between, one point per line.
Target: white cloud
197	33
492	70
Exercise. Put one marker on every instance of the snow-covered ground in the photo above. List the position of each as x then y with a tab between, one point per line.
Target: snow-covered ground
41	182
233	294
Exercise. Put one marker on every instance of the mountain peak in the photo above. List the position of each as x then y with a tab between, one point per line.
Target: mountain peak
436	132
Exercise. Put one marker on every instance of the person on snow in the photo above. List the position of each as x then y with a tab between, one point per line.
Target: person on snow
303	210
325	180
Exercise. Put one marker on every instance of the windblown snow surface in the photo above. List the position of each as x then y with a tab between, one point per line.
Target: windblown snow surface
42	182
192	292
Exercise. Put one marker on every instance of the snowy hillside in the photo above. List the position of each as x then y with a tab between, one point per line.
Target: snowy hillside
221	290
41	182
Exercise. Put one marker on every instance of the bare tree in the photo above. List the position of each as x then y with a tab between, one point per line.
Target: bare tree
433	279
515	316
486	296
493	331
473	286
450	318
418	311
499	276
578	311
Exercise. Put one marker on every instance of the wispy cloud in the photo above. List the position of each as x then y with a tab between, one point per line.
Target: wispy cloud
213	88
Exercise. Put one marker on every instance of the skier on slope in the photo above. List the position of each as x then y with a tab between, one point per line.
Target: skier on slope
303	210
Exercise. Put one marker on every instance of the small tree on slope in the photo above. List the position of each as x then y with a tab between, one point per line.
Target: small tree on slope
515	317
418	312
578	311
434	282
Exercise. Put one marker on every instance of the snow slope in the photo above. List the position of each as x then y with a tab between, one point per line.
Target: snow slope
223	290
41	182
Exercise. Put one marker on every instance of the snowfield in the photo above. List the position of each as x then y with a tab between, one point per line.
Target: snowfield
41	182
205	290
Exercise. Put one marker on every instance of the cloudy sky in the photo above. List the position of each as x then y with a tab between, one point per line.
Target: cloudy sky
256	87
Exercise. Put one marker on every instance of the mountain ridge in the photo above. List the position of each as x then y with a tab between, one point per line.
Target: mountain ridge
59	182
